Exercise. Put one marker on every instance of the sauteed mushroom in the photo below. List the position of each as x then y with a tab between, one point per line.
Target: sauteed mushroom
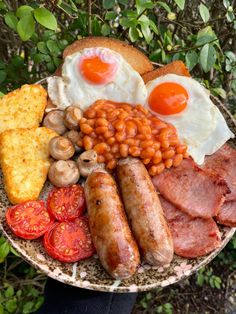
74	136
55	120
87	162
61	148
63	173
72	116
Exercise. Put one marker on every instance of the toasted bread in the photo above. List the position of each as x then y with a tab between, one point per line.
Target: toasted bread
133	56
24	157
23	107
175	67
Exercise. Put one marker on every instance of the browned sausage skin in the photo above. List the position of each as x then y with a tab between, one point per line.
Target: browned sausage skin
112	238
145	213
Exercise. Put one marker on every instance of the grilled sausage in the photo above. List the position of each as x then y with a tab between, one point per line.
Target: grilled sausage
145	213
112	238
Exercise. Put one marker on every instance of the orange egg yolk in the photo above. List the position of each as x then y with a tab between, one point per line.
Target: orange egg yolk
168	98
96	71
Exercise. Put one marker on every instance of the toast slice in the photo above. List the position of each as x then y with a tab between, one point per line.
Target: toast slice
24	157
132	55
23	107
175	67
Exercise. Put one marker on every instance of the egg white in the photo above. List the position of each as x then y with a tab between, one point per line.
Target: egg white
200	125
126	86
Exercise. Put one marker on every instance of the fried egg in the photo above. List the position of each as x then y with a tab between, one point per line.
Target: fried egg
93	74
186	104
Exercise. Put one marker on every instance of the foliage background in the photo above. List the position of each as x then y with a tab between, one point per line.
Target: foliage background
33	35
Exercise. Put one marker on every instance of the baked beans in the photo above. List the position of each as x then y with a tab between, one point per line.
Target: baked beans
117	130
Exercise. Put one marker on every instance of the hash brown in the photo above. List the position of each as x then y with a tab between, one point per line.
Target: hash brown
23	107
24	157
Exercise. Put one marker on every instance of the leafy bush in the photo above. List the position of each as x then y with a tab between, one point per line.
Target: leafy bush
33	35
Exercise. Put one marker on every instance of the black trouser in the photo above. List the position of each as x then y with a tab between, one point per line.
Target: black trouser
65	299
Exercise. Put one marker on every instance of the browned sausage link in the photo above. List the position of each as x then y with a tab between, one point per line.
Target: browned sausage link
145	213
112	238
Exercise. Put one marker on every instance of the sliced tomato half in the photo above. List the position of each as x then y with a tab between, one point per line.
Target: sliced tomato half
69	241
29	220
67	203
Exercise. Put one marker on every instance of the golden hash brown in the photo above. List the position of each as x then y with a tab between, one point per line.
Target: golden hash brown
24	157
132	55
23	107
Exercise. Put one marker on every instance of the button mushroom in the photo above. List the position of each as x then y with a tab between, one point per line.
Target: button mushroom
75	137
55	120
87	162
63	173
61	148
72	117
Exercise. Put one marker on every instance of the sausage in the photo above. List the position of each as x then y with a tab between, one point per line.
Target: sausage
111	235
144	212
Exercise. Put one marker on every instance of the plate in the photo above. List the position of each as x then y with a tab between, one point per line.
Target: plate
89	273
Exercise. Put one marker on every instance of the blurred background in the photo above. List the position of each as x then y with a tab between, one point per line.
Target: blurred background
33	35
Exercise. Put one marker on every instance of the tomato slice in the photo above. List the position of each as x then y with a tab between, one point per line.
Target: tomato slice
67	203
29	220
69	241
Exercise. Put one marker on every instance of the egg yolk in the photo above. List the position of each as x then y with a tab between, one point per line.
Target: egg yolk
168	98
96	71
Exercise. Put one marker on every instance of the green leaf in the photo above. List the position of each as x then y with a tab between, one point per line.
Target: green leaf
153	27
96	27
53	47
191	59
133	34
42	47
13	251
24	10
45	18
4	250
9	292
110	16
226	3
219	91
1	94
205	35
200	279
108	4
204	12
105	30
27	308
164	6
207	57
144	22
180	4
51	67
1	309
3	75
124	2
11	305
25	27
230	16
126	22
69	8
11	20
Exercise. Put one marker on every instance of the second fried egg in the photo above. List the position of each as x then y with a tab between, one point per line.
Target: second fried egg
186	104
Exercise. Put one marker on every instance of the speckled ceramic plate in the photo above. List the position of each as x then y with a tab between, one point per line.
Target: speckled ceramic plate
90	274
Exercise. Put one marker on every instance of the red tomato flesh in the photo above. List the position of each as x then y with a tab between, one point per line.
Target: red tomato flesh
67	203
29	220
69	241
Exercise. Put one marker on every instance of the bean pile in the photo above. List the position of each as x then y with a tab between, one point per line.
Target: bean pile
116	130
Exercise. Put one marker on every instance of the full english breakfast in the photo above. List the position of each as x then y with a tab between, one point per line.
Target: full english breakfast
149	144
